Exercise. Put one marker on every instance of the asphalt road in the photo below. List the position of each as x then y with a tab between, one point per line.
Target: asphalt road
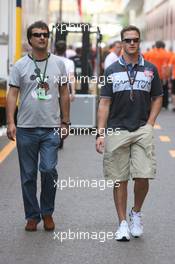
90	210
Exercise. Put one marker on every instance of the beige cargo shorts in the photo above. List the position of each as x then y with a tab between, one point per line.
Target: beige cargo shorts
130	154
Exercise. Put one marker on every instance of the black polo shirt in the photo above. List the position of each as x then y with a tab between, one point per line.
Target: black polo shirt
125	113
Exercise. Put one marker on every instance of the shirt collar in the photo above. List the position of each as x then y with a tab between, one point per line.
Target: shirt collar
140	61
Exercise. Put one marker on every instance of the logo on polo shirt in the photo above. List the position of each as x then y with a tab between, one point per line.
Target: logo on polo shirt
148	73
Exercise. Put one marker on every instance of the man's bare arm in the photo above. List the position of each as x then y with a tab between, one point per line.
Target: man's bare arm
10	112
72	78
156	106
65	109
64	102
103	112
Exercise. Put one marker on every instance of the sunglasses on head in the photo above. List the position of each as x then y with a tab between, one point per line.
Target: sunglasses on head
128	40
38	35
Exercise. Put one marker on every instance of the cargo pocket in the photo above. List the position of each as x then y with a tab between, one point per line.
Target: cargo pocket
108	166
154	165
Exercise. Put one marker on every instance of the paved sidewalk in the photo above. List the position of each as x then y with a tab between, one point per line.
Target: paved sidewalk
90	210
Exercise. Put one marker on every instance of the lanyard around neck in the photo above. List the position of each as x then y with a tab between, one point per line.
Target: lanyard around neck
39	71
131	81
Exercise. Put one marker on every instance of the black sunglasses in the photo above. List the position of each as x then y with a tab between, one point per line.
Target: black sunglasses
128	40
38	35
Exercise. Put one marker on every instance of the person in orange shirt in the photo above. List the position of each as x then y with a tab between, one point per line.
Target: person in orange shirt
148	53
160	58
172	65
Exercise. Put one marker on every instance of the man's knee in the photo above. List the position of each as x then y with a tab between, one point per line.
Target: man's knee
48	170
142	183
29	177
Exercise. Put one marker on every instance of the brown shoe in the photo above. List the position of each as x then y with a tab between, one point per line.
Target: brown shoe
49	224
31	225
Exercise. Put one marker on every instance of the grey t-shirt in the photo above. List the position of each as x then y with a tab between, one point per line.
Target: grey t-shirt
34	112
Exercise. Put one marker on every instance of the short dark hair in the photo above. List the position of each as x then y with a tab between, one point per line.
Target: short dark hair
60	47
160	44
37	24
78	51
129	28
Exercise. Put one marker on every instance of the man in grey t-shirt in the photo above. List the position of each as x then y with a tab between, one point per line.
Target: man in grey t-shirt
39	79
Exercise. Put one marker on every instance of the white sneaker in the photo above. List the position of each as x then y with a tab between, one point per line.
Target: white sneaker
123	233
136	225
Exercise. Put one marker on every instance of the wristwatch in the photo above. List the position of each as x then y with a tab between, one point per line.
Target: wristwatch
66	123
99	135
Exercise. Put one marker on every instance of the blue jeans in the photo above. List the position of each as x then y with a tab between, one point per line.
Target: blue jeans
33	145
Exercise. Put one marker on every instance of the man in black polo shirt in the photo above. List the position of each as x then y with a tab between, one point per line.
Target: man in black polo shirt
130	102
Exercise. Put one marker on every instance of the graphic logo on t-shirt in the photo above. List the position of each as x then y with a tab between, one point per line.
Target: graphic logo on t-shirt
120	82
40	91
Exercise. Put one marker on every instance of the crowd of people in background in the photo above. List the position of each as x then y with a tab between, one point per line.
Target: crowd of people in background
158	55
165	62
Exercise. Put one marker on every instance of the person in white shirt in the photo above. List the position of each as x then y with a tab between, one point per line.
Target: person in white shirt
70	66
113	55
70	52
70	71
